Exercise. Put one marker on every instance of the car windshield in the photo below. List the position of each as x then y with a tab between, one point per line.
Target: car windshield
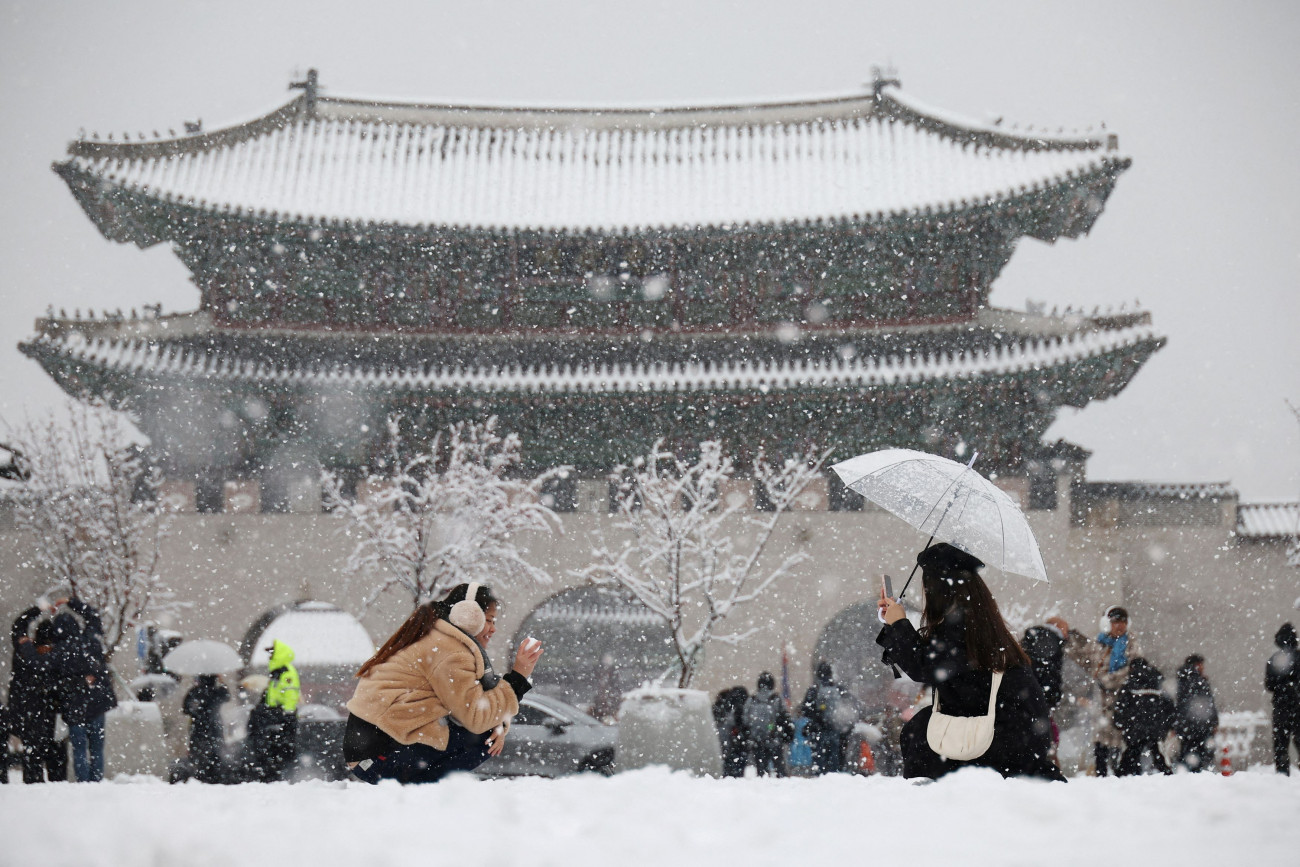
560	709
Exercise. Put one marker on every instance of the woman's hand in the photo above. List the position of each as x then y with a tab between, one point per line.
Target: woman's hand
530	649
496	741
891	611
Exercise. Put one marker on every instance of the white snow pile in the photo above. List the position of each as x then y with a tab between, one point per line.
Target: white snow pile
655	817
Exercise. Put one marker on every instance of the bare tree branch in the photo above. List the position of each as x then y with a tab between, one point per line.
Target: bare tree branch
452	514
90	506
680	558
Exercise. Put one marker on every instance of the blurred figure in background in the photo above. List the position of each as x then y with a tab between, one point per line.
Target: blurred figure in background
203	706
1282	678
34	699
1144	715
768	725
1198	718
830	714
728	712
273	723
1117	648
609	694
85	683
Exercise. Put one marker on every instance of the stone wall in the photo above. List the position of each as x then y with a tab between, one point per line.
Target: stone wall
1189	587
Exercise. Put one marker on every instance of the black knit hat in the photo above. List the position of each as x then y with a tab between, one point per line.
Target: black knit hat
943	557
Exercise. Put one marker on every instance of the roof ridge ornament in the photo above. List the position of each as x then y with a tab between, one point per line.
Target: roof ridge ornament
310	88
882	77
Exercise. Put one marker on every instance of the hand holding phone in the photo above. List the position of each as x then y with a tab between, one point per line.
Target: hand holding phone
887	601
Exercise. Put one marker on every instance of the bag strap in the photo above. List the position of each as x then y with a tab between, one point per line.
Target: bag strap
993	694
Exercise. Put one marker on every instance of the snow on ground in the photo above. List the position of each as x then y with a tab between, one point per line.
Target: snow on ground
654	817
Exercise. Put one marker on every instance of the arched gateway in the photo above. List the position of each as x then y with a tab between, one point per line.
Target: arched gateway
599	643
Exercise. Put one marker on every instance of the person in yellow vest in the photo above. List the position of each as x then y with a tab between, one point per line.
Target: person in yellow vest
273	724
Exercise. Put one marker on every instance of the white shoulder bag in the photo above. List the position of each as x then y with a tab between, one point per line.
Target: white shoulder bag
962	738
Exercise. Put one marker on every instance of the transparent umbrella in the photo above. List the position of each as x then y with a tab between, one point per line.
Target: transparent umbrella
951	502
202	656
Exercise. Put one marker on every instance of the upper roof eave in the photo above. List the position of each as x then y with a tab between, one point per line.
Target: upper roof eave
887	100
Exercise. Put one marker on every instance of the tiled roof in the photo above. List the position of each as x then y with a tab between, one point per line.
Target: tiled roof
1161	490
141	358
1268	520
865	157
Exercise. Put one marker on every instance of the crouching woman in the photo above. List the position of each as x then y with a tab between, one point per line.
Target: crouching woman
962	643
428	702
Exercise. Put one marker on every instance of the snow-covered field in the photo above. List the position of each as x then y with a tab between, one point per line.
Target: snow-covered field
654	817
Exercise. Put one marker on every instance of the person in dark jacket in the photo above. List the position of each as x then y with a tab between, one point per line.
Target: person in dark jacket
203	706
34	699
1045	647
830	714
87	687
963	640
768	725
1282	678
728	709
1198	718
1144	715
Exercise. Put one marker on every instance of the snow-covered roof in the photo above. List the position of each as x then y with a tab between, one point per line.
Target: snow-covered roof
144	359
319	634
1162	490
866	156
1268	520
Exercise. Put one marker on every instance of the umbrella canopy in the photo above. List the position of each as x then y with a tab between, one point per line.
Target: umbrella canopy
202	656
949	501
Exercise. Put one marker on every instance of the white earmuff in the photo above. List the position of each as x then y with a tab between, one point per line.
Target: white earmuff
466	614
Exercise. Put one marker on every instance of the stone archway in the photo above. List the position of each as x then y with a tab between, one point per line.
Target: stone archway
848	642
600	642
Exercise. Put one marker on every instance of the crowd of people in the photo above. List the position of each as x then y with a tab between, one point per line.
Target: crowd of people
429	702
60	672
61	690
976	670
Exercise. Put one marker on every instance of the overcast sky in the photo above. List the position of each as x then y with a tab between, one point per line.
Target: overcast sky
1203	229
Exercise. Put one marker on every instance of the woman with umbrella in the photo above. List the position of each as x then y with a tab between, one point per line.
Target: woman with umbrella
206	660
203	706
963	642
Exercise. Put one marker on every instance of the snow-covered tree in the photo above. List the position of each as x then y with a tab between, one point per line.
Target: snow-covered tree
427	520
691	553
89	504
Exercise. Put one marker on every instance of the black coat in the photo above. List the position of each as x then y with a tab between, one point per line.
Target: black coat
203	706
1046	650
87	686
1198	716
1282	677
1022	732
33	684
1143	713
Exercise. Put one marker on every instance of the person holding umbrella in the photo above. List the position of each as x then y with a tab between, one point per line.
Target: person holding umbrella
966	653
203	706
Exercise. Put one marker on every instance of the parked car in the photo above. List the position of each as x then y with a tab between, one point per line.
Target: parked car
550	738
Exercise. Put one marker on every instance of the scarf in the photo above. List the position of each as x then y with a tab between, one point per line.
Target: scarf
1118	649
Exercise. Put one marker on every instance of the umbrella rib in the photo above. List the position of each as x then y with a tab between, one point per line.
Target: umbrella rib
951	485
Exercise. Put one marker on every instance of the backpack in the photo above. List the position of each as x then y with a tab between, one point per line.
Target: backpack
761	718
830	711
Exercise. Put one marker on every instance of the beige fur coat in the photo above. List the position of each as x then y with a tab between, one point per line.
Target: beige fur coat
410	695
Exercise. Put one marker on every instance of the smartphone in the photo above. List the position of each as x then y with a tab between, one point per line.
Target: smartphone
889	587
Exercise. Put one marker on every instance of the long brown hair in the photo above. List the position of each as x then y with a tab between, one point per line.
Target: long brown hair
961	596
421	622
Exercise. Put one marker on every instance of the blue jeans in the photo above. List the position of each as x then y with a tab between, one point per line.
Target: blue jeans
88	749
421	763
